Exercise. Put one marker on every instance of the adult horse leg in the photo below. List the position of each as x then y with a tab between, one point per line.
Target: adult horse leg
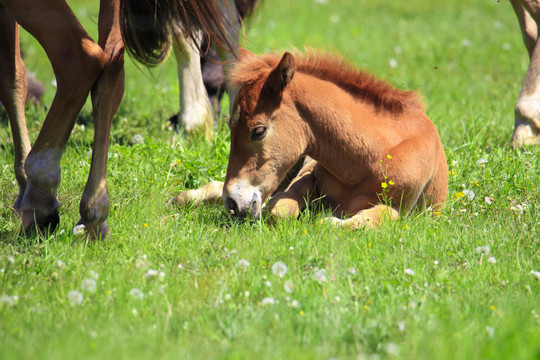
76	61
527	111
106	94
196	111
13	91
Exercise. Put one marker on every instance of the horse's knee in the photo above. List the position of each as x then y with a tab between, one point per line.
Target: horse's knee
528	110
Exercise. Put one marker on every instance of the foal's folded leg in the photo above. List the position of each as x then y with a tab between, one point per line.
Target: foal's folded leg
209	193
370	218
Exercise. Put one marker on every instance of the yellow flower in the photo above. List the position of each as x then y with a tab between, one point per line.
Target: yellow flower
459	195
390	182
384	185
145	225
389	156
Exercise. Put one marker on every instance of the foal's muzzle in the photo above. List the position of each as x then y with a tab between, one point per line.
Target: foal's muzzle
242	202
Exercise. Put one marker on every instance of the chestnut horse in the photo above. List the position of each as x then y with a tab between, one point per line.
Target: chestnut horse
376	154
82	66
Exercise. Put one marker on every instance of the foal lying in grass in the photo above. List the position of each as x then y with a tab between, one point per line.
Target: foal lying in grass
375	152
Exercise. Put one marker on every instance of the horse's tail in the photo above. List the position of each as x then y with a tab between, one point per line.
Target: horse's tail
146	25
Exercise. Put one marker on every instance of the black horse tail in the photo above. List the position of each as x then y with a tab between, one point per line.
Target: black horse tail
146	25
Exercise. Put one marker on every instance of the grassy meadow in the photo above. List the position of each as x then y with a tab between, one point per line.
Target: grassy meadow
189	283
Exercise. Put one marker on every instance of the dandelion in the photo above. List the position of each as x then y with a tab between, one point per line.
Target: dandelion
268	301
320	276
243	263
60	264
466	42
93	275
393	63
469	194
483	250
279	269
137	139
8	300
536	274
151	274
89	285
401	326
79	230
491	260
288	286
136	293
409	272
268	283
75	298
228	297
295	304
392	349
11	259
436	262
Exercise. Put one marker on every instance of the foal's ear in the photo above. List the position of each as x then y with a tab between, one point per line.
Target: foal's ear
282	75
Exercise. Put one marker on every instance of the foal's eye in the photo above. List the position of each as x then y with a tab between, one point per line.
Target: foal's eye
258	133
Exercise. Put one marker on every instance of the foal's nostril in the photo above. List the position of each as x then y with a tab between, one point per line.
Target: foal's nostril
232	206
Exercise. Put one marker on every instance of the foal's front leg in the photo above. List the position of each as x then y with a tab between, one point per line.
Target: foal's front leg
210	193
370	218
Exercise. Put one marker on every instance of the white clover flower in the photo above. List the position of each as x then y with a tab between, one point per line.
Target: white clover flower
75	298
320	275
151	273
491	260
393	63
11	259
483	250
268	301
228	297
401	326
136	293
89	285
536	274
488	200
469	194
288	286
295	304
79	230
519	208
243	263
60	264
409	272
279	269
436	262
352	270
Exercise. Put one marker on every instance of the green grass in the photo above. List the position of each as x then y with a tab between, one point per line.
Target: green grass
468	62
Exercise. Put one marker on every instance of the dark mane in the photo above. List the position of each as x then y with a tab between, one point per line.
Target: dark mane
334	68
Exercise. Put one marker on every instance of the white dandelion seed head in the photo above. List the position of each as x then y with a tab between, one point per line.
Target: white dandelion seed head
268	301
320	275
401	326
483	250
469	194
75	298
93	275
137	139
352	270
79	230
490	331
8	300
136	293
295	304
398	49
491	260
288	286
409	272
268	283
60	264
392	349
227	297
436	262
243	263
536	274
393	63
279	269
151	273
466	42
11	259
89	285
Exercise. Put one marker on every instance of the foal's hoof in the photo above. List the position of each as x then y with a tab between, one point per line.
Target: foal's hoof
525	134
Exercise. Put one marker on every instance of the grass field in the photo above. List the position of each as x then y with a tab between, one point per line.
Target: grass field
188	283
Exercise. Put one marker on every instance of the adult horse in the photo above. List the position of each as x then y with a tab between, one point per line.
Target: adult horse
375	151
527	110
82	66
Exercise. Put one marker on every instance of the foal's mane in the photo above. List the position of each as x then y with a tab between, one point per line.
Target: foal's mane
334	68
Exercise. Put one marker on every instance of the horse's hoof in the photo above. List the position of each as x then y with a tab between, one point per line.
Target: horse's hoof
38	220
98	231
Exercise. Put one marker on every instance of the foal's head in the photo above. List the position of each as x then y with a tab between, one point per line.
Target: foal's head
266	132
